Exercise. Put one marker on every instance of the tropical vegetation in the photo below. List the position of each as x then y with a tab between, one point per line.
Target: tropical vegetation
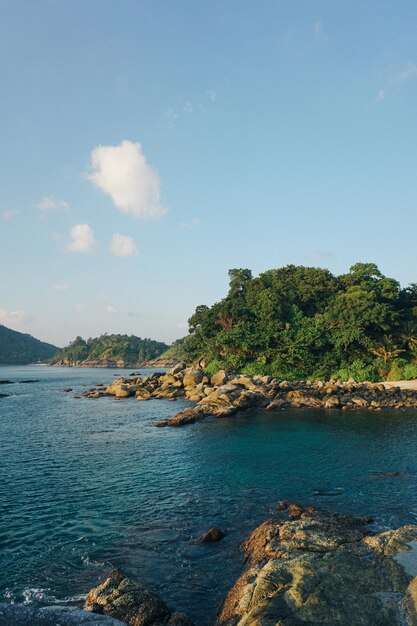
300	322
20	349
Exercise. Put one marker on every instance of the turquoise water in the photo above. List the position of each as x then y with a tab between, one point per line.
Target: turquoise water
86	485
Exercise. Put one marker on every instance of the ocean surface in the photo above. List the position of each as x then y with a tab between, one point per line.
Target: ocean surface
90	484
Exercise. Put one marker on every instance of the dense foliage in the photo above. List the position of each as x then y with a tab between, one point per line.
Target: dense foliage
20	349
127	349
303	322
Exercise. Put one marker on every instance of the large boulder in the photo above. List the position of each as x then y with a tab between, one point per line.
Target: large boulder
219	378
129	601
192	377
121	388
313	567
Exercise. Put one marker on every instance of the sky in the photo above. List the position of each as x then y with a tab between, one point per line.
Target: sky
148	146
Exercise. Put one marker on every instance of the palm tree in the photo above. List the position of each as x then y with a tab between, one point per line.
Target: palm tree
387	351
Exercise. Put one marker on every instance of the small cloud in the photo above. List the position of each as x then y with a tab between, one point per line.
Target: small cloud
171	117
123	173
409	70
134	314
318	28
14	319
82	239
79	307
212	95
190	225
109	309
49	203
122	245
188	107
182	326
316	255
61	287
381	95
9	214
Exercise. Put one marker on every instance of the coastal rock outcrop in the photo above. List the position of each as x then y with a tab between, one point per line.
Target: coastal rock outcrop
225	393
306	566
127	600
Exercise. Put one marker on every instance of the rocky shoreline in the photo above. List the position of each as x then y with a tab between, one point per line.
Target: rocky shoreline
115	363
226	393
303	567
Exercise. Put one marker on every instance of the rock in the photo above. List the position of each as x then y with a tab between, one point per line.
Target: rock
218	379
6	382
282	505
187	416
25	382
121	389
192	377
332	402
4	395
129	601
179	367
68	389
323	568
20	615
212	535
143	394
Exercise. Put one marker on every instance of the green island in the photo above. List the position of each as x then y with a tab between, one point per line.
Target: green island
109	351
20	349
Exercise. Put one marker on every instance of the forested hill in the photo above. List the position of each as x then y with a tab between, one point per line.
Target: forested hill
303	322
19	349
109	351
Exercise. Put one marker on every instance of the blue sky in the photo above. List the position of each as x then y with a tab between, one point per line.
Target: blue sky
149	146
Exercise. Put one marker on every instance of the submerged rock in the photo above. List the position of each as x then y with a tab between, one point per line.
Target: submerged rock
129	601
323	568
212	535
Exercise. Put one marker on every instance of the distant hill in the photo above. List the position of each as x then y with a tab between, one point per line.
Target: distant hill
109	351
19	348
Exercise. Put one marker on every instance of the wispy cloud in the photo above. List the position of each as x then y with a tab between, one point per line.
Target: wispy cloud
123	173
190	225
405	73
14	319
122	245
61	287
318	28
10	214
185	108
49	203
81	239
109	309
316	255
393	77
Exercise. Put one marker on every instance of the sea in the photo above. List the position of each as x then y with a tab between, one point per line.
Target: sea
87	485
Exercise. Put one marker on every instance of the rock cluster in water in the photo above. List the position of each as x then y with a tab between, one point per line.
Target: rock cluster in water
225	393
122	598
319	568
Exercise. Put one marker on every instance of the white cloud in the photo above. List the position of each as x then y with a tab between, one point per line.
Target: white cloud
79	307
14	319
9	214
49	203
82	238
122	245
61	287
212	95
190	225
109	309
381	95
123	173
316	255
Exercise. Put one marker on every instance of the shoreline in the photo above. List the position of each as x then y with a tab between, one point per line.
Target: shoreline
226	393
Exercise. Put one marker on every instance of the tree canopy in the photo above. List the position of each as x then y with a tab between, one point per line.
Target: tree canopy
304	322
